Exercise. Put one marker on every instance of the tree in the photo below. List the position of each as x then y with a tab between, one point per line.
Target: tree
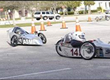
16	5
71	4
12	5
89	3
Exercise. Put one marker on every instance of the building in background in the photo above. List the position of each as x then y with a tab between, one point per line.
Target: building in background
104	4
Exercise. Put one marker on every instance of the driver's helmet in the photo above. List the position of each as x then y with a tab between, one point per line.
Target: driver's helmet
80	36
18	31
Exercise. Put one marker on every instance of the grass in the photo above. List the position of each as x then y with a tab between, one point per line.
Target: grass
29	24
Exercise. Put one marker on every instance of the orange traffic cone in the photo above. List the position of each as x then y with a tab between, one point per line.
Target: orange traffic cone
78	28
33	28
49	23
42	28
63	25
89	19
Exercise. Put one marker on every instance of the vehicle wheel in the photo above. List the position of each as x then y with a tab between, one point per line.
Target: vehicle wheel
43	38
57	17
50	18
97	19
58	48
37	18
107	18
14	41
44	18
109	42
87	50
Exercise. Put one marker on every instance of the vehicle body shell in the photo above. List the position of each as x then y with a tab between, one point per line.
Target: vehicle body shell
24	37
101	49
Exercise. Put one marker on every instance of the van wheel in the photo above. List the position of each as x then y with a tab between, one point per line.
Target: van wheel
57	17
45	18
37	18
50	18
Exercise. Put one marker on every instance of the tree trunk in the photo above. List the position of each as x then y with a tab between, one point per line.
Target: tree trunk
23	11
55	5
89	9
23	14
14	24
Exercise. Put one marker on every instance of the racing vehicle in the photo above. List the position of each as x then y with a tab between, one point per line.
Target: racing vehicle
87	50
18	36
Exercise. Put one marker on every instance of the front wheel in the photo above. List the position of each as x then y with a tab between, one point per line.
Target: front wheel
14	41
87	50
43	38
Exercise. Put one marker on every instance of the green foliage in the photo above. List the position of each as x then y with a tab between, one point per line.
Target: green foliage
88	3
80	12
93	11
71	4
99	8
69	13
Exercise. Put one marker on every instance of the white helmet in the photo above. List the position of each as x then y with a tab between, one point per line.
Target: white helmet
80	36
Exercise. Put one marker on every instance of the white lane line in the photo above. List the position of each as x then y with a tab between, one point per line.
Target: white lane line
36	73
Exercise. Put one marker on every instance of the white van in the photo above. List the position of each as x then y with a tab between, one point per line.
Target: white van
46	15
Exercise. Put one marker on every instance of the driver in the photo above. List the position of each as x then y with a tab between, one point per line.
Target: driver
75	38
18	31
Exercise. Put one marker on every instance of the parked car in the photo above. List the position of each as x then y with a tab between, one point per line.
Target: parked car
107	15
46	15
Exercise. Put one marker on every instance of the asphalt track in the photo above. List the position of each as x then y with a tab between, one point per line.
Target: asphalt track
42	62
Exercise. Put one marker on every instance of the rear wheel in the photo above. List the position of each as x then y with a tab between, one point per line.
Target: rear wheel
107	18
58	48
87	50
44	18
14	41
97	19
57	17
43	38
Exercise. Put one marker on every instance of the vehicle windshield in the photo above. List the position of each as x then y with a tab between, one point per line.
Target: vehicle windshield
37	13
20	31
